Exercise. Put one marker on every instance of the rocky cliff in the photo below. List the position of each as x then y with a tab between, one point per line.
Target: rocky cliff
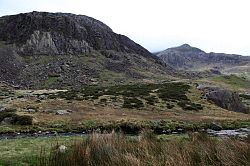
53	50
63	33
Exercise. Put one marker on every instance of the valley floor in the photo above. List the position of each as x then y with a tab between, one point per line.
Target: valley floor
158	106
150	112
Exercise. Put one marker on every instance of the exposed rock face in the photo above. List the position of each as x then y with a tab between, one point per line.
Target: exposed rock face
55	50
44	43
186	57
11	64
63	33
227	100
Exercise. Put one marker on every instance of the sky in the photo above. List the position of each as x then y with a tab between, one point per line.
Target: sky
211	25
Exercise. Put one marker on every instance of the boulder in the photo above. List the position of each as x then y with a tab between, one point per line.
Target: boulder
62	148
215	127
63	112
2	108
30	110
7	121
226	99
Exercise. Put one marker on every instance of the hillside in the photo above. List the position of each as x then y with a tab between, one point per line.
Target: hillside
190	58
55	50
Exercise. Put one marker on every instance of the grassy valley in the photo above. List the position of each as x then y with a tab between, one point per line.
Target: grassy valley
73	92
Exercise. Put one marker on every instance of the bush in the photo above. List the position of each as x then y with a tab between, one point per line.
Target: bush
16	119
4	115
170	106
103	100
151	100
187	105
23	120
132	103
245	96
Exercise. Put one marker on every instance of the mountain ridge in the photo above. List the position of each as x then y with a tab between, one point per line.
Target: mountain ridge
186	57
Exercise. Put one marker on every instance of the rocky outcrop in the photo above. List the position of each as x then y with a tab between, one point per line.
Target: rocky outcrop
46	44
63	33
61	50
226	99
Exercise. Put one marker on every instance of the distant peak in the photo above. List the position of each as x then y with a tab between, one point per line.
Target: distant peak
185	46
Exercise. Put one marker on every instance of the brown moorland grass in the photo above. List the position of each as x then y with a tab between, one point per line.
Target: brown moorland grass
146	150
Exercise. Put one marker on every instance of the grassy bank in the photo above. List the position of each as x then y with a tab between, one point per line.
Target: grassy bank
25	151
117	149
232	82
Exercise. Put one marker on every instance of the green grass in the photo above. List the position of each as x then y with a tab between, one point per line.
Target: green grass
23	151
50	81
233	81
2	44
108	77
148	150
118	149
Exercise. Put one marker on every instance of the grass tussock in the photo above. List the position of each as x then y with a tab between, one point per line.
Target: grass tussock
146	149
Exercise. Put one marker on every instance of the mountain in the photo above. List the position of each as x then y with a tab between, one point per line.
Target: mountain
190	58
41	49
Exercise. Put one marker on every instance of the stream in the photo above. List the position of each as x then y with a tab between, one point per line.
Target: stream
240	133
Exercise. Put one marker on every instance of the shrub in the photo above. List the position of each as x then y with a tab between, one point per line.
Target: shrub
151	100
103	100
132	103
187	105
23	120
16	119
170	106
245	96
4	115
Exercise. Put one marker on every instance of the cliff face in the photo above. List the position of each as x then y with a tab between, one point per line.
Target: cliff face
54	50
63	33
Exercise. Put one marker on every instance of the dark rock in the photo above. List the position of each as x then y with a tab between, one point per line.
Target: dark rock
215	127
63	33
7	121
5	109
227	100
